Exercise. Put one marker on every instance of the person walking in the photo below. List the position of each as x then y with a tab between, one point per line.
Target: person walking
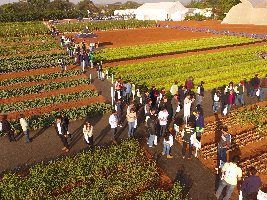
239	91
251	185
200	93
152	128
62	133
113	122
175	105
231	173
25	127
6	128
163	120
167	144
99	71
223	146
131	117
88	133
128	90
66	122
187	133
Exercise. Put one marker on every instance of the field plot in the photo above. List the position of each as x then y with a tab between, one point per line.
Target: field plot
183	46
118	172
215	69
248	128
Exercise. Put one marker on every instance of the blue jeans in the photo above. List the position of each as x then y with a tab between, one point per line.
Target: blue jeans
263	92
166	149
27	135
151	140
222	154
99	75
131	129
239	99
229	190
216	106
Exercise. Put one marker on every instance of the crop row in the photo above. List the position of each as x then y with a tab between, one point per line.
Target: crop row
39	102
114	173
255	116
238	141
24	63
259	162
221	68
19	29
148	50
28	39
47	119
104	25
41	77
26	49
39	88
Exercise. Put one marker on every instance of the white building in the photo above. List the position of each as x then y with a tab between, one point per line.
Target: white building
248	12
161	11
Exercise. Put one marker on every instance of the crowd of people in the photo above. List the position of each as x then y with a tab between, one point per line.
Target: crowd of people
168	114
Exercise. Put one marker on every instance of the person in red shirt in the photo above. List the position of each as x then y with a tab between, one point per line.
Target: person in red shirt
231	100
189	84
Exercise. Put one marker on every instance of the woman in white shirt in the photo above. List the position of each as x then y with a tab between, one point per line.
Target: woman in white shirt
88	133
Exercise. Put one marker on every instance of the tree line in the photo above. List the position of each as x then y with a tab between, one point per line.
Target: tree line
31	10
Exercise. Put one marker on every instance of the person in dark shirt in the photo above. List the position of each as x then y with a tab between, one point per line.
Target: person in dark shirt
255	84
223	146
6	128
251	185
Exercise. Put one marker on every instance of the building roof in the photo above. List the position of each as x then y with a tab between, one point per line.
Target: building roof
161	5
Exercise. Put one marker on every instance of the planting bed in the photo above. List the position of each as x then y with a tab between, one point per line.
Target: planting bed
249	138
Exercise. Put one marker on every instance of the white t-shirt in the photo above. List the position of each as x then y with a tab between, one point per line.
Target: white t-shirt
113	121
163	118
59	129
231	173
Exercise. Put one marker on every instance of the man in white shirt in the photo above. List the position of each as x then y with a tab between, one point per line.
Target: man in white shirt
231	173
25	127
113	122
163	120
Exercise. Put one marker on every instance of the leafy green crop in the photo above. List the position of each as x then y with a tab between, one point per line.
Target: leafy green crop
40	102
41	77
104	25
46	87
148	50
215	69
25	63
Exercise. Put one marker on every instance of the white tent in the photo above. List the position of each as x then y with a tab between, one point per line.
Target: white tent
161	11
248	12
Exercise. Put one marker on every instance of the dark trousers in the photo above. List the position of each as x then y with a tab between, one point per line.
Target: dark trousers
222	154
10	136
64	141
162	130
114	132
184	149
252	196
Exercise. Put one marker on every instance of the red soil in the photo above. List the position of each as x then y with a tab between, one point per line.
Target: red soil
48	93
60	106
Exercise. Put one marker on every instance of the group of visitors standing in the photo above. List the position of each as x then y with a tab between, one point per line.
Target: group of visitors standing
234	95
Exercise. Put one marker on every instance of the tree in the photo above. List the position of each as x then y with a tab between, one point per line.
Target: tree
85	5
62	5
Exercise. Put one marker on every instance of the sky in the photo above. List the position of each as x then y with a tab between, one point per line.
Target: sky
103	1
